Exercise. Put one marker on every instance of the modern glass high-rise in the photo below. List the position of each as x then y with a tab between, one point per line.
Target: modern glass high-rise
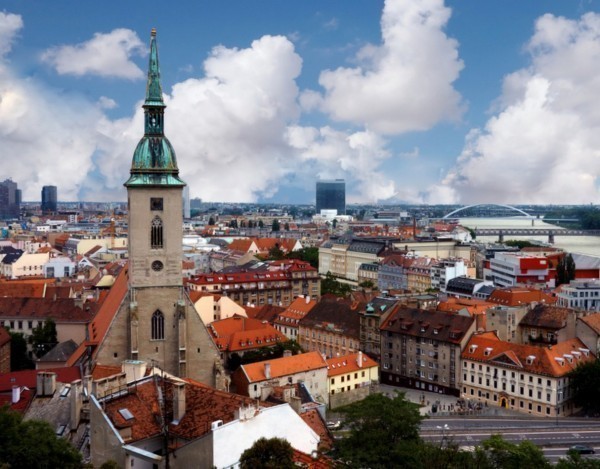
10	200
331	195
49	199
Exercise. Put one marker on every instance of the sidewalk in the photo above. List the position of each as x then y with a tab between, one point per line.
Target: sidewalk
446	405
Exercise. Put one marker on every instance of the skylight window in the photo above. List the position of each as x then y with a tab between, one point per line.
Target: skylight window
126	414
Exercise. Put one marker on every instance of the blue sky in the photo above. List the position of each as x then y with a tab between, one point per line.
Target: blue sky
419	101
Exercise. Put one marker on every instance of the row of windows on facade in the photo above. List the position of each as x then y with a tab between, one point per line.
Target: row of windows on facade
30	324
565	390
348	377
513	401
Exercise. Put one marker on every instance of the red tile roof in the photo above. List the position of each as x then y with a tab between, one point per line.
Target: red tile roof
519	296
557	360
204	405
593	321
99	326
284	366
349	364
238	334
4	336
28	378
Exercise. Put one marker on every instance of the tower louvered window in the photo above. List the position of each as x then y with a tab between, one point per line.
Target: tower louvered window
156	233
158	326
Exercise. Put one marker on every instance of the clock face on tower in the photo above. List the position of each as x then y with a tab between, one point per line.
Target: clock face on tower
156	203
157	266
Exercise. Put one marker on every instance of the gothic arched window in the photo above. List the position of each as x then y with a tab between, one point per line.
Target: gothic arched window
158	326
156	233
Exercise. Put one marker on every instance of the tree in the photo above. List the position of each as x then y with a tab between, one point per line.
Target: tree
233	223
585	382
33	444
334	223
268	453
366	284
503	454
211	221
19	360
261	224
286	227
43	338
331	285
310	255
276	253
275	226
383	432
565	270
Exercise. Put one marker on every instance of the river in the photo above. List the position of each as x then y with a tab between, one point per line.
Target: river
576	244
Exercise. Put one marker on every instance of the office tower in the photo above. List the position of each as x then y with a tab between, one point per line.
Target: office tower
10	200
49	199
331	195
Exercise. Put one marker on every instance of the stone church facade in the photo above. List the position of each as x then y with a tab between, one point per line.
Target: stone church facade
157	322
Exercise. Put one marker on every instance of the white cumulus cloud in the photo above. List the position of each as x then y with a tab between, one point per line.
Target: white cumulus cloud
107	55
543	143
10	25
405	83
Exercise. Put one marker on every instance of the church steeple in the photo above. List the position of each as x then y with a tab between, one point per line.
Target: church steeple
154	162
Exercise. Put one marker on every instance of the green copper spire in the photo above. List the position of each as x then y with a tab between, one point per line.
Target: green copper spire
153	89
154	162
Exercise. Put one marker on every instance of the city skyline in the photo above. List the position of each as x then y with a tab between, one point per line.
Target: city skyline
418	102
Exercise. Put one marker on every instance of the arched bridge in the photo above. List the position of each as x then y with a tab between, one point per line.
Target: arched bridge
502	232
509	207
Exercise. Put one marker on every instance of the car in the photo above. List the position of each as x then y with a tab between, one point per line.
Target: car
334	425
582	449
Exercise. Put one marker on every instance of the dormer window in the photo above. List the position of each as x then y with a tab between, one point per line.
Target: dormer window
487	351
530	359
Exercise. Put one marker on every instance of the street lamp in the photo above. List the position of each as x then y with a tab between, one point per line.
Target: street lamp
444	432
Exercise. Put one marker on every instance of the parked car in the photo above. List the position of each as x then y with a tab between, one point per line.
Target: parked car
334	425
582	449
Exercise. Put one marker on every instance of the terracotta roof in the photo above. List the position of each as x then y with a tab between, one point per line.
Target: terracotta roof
240	244
473	306
29	377
25	400
519	296
335	313
593	321
204	405
196	295
309	462
437	325
284	366
268	313
104	371
548	317
61	310
348	364
106	312
22	288
557	360
236	334
314	420
4	336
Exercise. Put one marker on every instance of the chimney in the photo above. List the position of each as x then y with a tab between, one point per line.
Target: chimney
287	353
45	383
359	360
16	394
76	403
268	370
178	401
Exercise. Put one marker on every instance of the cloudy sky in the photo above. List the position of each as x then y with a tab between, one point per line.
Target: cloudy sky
419	101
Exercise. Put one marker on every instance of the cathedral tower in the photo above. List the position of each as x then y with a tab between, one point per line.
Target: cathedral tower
157	322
